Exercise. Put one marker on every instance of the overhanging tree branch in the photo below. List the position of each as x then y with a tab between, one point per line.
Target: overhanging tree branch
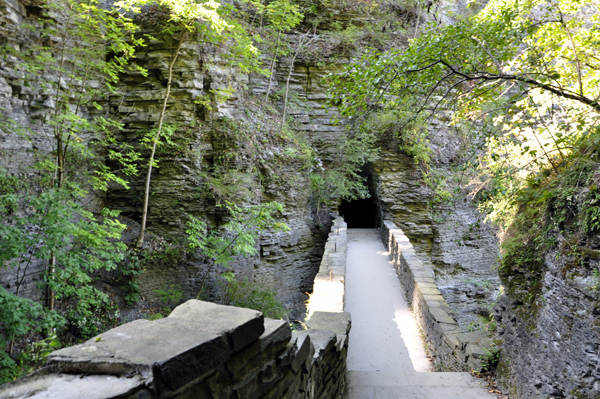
508	77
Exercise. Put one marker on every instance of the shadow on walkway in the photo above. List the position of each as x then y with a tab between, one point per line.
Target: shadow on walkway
386	358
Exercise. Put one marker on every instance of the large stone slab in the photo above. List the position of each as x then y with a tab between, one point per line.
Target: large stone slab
66	386
338	322
195	339
241	326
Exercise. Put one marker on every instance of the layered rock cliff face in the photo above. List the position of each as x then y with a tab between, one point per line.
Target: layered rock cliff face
549	313
232	136
456	246
206	135
209	129
553	351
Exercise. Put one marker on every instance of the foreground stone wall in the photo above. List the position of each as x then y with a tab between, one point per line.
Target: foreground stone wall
202	350
452	348
206	350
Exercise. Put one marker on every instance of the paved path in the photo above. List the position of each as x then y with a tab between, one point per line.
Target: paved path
386	359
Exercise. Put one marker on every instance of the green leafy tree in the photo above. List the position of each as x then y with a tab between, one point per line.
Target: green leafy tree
210	22
76	54
522	76
339	176
20	316
237	237
283	16
521	79
56	226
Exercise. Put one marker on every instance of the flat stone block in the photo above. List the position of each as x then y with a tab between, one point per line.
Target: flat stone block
419	273
475	350
429	290
338	322
323	341
452	341
433	298
436	303
195	339
449	329
469	337
241	326
441	316
70	386
425	284
427	279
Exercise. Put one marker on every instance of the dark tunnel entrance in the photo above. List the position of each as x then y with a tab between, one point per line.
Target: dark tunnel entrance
361	213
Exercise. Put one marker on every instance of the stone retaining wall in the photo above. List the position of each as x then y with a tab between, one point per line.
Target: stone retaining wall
205	350
452	348
328	289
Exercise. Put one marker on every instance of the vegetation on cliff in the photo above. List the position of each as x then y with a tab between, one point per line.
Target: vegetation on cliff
519	83
71	59
520	80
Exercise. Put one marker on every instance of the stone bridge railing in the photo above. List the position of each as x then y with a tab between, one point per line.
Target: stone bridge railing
205	350
451	348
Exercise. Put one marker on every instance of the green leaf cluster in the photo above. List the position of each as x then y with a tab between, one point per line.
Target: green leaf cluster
20	316
236	237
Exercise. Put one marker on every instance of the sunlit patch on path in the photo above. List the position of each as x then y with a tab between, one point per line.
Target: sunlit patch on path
386	358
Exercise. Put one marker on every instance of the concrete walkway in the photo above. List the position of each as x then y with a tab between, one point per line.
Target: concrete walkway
386	359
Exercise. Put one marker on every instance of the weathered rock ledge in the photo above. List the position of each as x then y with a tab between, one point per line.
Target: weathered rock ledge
452	348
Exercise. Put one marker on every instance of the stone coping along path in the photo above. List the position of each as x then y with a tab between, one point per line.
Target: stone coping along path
386	358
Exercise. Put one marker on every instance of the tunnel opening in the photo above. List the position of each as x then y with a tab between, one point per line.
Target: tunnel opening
362	213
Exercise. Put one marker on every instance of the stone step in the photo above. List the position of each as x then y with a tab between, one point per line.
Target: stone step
400	385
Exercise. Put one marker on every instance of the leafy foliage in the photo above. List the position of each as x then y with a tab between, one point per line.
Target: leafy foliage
490	360
53	224
237	236
245	293
77	52
20	316
339	177
517	64
522	78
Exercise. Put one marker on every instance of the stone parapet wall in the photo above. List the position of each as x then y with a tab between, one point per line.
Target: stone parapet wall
329	289
452	348
206	350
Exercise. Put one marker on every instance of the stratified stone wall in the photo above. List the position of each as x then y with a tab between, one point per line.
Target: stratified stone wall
551	348
455	245
205	350
286	262
452	348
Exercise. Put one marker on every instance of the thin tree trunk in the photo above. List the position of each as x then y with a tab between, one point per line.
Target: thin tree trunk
287	83
418	19
273	66
140	240
51	293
